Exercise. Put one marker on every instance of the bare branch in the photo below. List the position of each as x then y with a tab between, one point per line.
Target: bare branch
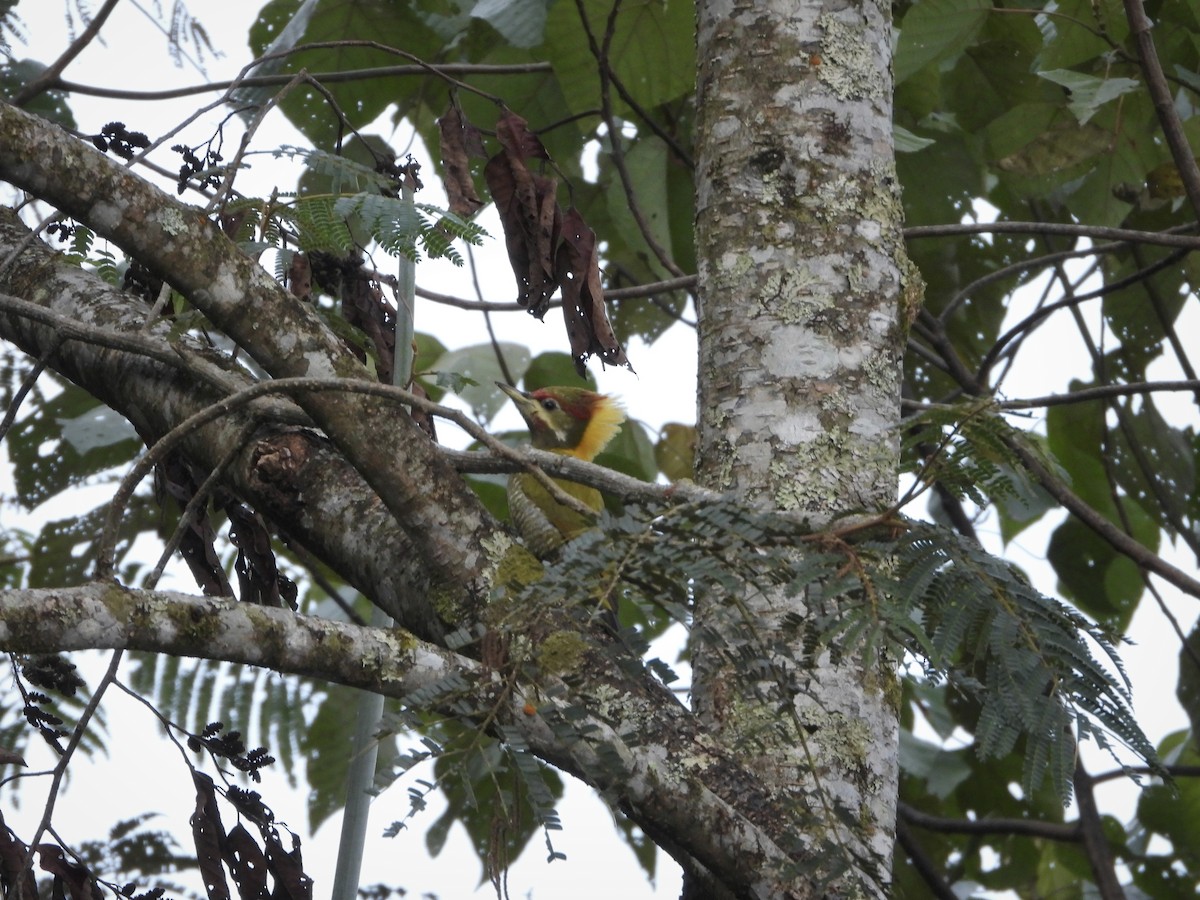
1164	105
1172	237
350	75
286	337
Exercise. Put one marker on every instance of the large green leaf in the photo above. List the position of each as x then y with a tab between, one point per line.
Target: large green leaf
652	52
400	25
327	749
935	31
521	22
1100	581
66	441
1079	31
476	370
1173	810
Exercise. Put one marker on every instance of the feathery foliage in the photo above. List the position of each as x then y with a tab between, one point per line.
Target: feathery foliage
889	590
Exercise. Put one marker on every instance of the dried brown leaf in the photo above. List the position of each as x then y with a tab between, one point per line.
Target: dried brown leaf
364	308
287	868
71	879
578	271
12	863
258	575
518	141
174	478
458	138
530	216
248	864
208	834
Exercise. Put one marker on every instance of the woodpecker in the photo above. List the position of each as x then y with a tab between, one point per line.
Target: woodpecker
567	420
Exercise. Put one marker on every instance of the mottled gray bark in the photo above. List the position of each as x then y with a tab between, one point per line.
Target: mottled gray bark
282	335
689	792
295	479
800	267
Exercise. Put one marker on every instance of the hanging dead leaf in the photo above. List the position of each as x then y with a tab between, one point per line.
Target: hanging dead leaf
174	478
578	272
209	836
515	137
13	873
71	879
364	308
259	578
531	218
247	863
460	140
287	868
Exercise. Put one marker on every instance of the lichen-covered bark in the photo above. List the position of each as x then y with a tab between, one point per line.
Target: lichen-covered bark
692	794
688	791
442	517
297	480
800	260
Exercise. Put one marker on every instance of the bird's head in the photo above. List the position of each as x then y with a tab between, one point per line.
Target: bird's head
568	420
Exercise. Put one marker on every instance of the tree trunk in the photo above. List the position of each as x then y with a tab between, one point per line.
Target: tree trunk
801	266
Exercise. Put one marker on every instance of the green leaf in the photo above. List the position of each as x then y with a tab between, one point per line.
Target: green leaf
1089	93
382	21
942	770
64	551
553	368
65	441
429	351
907	142
52	105
675	451
1100	581
935	31
478	362
1075	32
631	452
646	163
1058	153
327	752
652	51
1173	810
521	22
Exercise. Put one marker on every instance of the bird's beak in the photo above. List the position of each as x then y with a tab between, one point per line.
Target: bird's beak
524	402
517	396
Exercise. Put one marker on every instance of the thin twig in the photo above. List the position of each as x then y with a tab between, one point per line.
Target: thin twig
1164	105
1171	237
48	77
1055	831
466	69
60	770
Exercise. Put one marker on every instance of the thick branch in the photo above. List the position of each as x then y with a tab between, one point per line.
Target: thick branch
295	479
672	778
443	518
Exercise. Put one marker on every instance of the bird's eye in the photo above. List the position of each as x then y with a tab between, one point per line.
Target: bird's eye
550	404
